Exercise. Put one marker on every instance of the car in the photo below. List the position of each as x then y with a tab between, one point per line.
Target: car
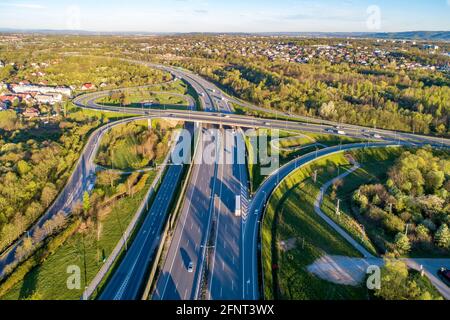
256	212
191	267
377	136
444	274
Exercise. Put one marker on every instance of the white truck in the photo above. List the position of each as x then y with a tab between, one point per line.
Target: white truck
238	210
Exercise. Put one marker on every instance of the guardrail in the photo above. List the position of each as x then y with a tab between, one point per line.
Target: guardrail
169	225
128	232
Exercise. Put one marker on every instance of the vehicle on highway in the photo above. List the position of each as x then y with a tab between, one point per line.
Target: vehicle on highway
336	131
256	212
377	136
191	267
444	274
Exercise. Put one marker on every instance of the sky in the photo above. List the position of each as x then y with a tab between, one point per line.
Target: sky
227	15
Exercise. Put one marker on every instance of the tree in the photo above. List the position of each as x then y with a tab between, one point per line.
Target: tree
86	203
48	194
25	249
393	280
402	243
328	110
8	120
442	237
107	177
23	168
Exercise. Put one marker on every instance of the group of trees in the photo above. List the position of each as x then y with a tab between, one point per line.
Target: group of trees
133	146
413	207
399	283
35	164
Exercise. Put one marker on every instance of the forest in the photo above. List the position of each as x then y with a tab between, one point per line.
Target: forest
413	102
410	213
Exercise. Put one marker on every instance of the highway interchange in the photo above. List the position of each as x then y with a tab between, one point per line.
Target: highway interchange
234	267
208	238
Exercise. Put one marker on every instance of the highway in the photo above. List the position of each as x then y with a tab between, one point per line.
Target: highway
127	281
209	204
191	234
233	120
208	234
226	263
234	275
82	176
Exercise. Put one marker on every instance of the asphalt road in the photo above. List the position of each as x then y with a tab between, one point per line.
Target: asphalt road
128	279
192	233
226	262
190	237
178	283
72	193
258	203
208	216
252	122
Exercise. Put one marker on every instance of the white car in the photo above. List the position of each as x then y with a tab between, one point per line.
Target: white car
377	136
191	267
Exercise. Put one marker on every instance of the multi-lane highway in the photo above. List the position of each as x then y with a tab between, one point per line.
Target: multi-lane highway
191	234
127	281
232	266
231	120
207	228
225	267
199	245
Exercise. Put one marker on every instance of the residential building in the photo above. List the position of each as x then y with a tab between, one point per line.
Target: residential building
31	113
41	89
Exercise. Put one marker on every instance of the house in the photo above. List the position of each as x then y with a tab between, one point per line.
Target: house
10	99
3	106
31	113
50	98
88	86
25	88
2	64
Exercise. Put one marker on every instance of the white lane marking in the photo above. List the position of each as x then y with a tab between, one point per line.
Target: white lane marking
218	223
182	230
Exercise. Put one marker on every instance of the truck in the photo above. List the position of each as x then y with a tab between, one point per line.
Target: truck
238	211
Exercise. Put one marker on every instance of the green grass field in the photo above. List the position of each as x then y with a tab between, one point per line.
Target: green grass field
48	281
286	156
290	215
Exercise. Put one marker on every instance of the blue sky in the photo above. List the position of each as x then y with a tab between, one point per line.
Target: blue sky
227	16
